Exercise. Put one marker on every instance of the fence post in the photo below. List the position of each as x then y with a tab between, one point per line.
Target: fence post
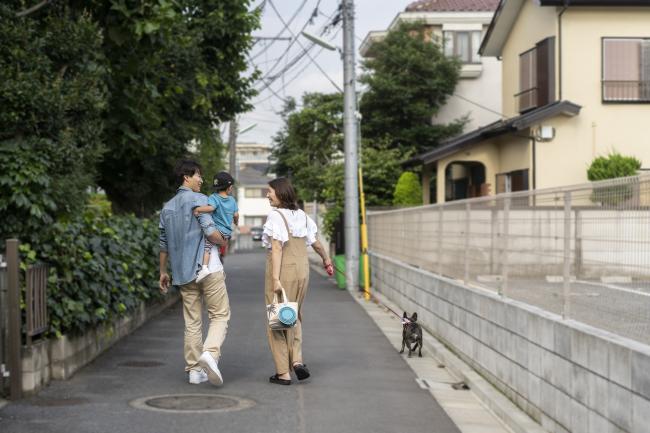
14	335
578	243
494	219
567	255
440	214
467	228
505	245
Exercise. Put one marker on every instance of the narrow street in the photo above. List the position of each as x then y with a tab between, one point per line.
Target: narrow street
359	382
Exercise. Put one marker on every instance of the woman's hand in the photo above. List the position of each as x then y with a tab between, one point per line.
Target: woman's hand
277	286
327	264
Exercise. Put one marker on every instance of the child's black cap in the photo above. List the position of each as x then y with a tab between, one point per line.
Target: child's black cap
222	180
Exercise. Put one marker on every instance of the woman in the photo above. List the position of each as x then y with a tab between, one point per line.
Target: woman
288	232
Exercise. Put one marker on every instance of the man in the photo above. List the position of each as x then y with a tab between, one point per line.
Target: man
182	241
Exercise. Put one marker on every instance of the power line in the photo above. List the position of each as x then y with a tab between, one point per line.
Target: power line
286	51
294	77
293	17
301	46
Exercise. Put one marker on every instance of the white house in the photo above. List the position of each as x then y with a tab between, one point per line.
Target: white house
459	25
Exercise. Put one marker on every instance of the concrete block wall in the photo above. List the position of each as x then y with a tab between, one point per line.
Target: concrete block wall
568	376
60	358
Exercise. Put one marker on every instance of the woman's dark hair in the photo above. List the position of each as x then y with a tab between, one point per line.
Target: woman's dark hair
185	167
285	193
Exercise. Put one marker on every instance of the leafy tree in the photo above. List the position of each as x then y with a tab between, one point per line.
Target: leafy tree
177	68
309	150
612	166
310	140
408	191
209	154
408	80
53	96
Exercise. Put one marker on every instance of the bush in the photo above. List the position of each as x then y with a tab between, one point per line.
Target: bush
100	268
408	191
613	166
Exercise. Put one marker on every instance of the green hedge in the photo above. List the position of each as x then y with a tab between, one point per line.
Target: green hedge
100	268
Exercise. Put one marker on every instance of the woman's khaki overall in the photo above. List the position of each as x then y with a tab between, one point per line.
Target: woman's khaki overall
286	345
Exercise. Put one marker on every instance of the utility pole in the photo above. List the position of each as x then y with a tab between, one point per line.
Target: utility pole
350	150
232	152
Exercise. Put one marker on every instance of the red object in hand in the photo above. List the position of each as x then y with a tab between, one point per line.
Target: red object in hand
329	269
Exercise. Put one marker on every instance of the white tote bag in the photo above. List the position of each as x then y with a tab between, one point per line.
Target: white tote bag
282	315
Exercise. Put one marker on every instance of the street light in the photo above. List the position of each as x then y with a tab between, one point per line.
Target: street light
351	145
320	42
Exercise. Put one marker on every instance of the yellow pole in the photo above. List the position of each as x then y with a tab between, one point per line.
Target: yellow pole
364	239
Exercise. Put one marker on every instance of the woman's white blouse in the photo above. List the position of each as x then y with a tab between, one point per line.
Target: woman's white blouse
274	227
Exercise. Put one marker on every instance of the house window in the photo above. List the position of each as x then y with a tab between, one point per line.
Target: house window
626	70
537	76
255	192
463	44
254	221
516	180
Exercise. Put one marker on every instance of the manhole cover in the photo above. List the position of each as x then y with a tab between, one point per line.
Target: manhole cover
140	364
192	403
59	402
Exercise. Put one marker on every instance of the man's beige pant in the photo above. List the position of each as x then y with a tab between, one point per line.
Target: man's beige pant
213	289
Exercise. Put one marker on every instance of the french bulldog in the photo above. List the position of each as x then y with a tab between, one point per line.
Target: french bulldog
411	334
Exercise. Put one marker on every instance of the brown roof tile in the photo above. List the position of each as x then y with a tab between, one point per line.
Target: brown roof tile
452	6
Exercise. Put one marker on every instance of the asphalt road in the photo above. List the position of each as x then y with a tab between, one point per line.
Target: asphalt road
359	382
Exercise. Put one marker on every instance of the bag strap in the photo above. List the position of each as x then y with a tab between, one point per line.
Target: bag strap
284	296
286	224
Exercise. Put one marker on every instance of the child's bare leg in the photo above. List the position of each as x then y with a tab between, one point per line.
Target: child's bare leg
206	257
205	271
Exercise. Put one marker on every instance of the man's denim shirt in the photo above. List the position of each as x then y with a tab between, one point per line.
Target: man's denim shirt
182	234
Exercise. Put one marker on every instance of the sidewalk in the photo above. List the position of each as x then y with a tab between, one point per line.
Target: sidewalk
359	382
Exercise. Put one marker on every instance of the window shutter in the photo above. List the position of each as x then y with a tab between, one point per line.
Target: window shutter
545	71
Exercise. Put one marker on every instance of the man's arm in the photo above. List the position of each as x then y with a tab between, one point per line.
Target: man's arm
210	232
235	218
164	276
163	282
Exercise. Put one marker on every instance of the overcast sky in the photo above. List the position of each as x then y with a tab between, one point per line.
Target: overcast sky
304	76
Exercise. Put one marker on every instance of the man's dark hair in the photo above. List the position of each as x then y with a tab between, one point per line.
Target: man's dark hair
186	167
285	193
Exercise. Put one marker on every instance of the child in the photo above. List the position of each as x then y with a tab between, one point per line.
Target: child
223	207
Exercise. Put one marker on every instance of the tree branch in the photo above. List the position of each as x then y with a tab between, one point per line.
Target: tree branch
33	8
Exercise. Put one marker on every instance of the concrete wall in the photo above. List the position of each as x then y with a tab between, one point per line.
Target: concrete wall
567	376
60	358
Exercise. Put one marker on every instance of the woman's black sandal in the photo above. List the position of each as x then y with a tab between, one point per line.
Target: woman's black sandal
275	379
301	370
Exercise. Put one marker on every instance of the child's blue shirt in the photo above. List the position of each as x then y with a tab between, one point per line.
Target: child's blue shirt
224	210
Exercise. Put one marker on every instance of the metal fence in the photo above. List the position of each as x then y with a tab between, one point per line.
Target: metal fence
581	251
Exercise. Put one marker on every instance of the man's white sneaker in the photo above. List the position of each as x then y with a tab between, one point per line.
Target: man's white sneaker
209	364
198	376
204	272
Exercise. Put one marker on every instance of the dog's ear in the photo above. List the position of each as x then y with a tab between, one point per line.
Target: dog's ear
405	315
414	317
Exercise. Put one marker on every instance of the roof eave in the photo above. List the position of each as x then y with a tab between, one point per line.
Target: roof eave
502	22
500	127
